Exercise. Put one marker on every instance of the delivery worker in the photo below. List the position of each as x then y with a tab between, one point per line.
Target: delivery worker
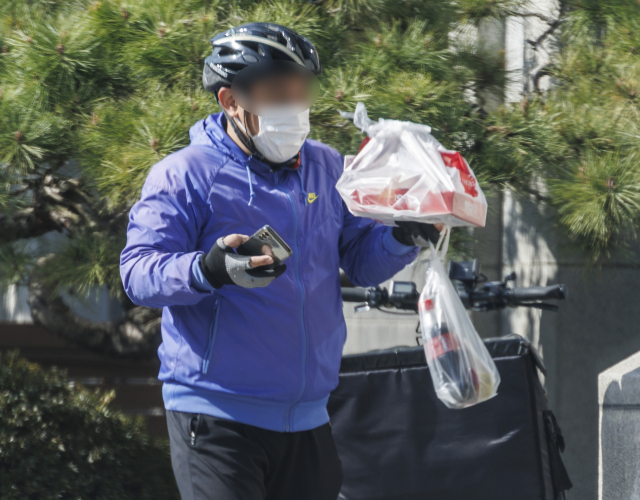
250	353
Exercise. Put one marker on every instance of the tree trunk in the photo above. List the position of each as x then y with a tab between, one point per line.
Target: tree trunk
134	335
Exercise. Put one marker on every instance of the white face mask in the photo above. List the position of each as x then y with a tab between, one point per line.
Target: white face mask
283	130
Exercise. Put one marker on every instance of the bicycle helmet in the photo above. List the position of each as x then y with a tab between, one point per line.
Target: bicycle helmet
237	48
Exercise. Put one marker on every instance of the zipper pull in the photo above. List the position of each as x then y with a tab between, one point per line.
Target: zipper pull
194	428
275	176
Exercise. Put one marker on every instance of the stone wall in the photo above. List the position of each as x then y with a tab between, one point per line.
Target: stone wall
619	402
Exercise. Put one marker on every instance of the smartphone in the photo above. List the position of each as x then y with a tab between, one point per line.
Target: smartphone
266	236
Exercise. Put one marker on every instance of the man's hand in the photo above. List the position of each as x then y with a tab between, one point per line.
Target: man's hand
222	266
417	233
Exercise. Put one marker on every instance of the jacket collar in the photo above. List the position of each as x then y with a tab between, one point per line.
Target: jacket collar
212	132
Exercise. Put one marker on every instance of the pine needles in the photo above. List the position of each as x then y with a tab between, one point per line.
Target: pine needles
98	92
582	137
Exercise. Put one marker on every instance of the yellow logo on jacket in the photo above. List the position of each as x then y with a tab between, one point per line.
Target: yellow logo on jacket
312	197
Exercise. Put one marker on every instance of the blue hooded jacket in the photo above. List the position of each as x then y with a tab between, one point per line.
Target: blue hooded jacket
267	357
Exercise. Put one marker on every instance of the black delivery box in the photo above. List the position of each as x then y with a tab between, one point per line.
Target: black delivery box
397	441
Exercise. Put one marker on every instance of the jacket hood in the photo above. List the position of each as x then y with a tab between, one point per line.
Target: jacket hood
211	132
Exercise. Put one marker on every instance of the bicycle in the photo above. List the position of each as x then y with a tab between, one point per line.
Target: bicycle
397	441
491	295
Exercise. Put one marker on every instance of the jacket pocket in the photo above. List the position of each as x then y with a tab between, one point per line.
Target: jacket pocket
213	331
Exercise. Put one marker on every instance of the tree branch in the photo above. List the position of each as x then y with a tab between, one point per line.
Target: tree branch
546	19
553	25
134	335
527	189
56	204
542	71
548	32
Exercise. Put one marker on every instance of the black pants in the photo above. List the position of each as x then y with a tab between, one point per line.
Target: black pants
218	459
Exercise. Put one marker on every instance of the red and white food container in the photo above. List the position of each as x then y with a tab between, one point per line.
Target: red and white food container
402	173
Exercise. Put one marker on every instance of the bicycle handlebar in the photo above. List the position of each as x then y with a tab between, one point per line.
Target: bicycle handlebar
489	296
558	292
355	294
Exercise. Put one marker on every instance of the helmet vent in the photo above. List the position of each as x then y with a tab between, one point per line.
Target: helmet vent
226	51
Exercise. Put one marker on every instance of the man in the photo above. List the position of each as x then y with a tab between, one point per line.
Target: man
250	353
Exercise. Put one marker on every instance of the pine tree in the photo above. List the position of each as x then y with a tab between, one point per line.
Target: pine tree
92	94
582	137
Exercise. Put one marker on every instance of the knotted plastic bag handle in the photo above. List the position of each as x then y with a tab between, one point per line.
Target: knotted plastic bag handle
442	245
360	117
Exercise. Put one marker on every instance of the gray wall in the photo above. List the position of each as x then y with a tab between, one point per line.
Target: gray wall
594	329
619	401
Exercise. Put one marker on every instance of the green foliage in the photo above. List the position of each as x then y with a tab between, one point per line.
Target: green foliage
102	90
63	441
30	138
520	142
15	260
582	136
600	199
54	63
123	140
84	261
169	42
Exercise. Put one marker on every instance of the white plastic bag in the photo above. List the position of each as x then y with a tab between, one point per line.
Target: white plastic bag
404	174
462	370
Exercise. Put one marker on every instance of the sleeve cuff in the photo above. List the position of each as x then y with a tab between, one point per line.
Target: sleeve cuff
198	281
393	246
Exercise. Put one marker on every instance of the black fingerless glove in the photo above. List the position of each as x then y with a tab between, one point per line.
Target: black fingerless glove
416	234
222	266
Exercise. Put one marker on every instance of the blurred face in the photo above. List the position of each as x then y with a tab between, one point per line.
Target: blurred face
278	90
246	103
269	102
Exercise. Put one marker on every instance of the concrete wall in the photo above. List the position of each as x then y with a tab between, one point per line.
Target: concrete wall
619	401
594	329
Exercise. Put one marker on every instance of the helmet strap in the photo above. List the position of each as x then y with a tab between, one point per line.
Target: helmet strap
242	133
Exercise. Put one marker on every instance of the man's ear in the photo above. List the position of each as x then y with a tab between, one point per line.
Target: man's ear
228	102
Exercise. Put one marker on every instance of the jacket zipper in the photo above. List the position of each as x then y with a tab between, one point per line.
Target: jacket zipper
213	331
296	256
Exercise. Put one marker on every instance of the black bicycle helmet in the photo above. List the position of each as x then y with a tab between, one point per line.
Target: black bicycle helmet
237	48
